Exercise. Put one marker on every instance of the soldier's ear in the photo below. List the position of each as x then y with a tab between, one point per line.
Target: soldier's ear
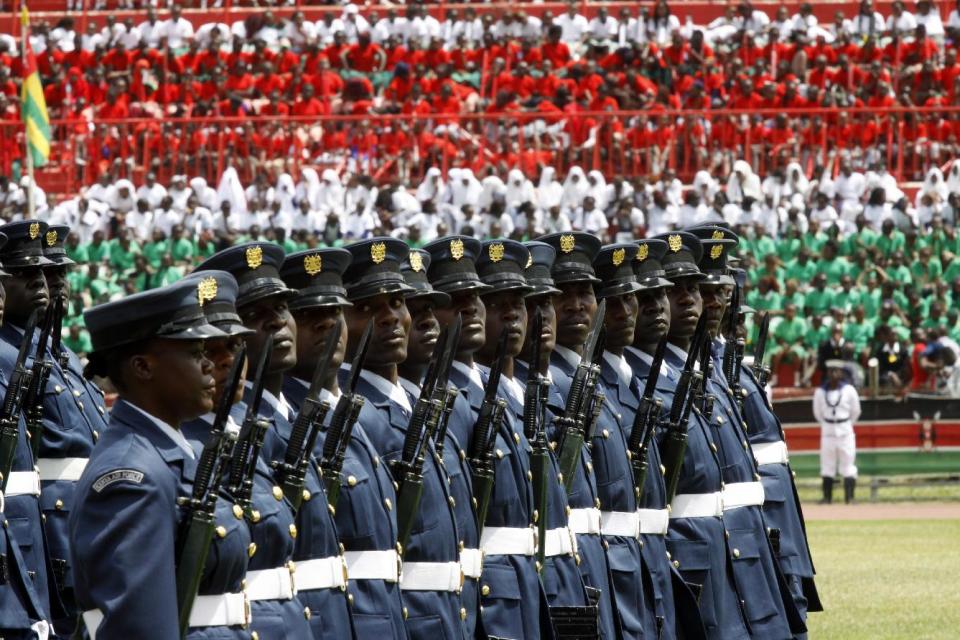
140	367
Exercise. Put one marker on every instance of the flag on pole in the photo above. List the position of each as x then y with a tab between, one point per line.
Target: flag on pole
33	107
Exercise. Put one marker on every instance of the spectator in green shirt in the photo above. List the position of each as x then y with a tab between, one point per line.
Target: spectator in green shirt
793	295
158	247
863	238
788	338
123	252
99	249
770	269
832	264
789	246
819	299
182	248
859	330
76	251
766	297
847	297
891	239
936	317
817	333
898	271
926	270
803	269
78	339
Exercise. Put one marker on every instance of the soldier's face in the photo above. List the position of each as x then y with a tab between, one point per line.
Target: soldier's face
26	291
548	335
271	316
685	307
57	283
178	374
576	308
424	330
653	317
714	304
222	352
470	306
620	321
313	330
391	325
506	311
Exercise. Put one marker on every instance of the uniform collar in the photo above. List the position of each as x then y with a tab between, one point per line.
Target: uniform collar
619	364
471	372
412	389
173	434
569	355
393	391
277	404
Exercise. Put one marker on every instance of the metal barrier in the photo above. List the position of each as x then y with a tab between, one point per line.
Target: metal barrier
403	147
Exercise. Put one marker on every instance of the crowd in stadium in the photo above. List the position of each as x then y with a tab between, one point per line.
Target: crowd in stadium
848	265
549	67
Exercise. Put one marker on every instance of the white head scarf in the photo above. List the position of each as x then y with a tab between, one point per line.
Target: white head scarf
575	188
549	191
706	185
519	189
309	187
330	197
598	191
432	186
953	178
797	182
460	193
118	202
493	187
230	190
934	185
737	191
286	193
206	197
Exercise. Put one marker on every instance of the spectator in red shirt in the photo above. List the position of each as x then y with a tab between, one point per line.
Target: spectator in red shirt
364	56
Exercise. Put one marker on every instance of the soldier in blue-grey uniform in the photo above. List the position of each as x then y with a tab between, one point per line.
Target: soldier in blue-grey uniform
431	578
570	274
514	603
262	304
782	518
126	520
26	292
501	265
675	603
697	536
367	529
424	332
220	611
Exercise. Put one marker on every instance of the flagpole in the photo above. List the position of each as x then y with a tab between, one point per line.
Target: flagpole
28	156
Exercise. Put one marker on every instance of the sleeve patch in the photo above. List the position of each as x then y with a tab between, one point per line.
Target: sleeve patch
120	475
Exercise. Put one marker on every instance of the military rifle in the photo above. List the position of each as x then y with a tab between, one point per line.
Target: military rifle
534	428
341	423
485	431
684	398
303	434
61	358
645	421
12	402
760	370
252	432
194	545
706	399
444	394
39	375
573	423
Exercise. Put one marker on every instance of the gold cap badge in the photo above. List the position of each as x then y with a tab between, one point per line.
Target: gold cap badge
618	256
456	249
642	252
716	251
717	235
313	264
378	252
416	261
206	290
675	242
496	252
34	230
567	243
51	238
254	257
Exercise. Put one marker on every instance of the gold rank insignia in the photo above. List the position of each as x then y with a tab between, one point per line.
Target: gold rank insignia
618	256
675	242
254	257
34	230
378	252
717	235
642	252
416	261
496	252
456	249
51	238
206	290
716	251
313	264
567	243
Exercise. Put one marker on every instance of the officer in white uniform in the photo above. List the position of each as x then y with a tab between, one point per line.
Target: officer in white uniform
836	406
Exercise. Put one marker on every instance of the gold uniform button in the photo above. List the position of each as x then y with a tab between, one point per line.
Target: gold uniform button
516	437
736	553
277	493
606	433
485	590
80	405
307	613
499	453
589	467
745	446
568	510
254	636
451	501
676	564
530	476
252	549
713	447
463	454
350	598
560	478
293	531
376	461
536	516
460	546
255	516
58	505
76	393
237	511
352	480
58	388
96	435
596	502
307	495
332	509
222	531
101	409
663	470
388	504
719	419
463	613
406	614
399	548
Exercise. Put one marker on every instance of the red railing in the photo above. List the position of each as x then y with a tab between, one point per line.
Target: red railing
403	147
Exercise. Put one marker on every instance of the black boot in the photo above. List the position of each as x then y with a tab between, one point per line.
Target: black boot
849	487
827	490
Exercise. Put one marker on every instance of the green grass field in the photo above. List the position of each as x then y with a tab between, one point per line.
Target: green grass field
887	579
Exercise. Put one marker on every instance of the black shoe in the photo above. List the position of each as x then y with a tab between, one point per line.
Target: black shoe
849	488
827	491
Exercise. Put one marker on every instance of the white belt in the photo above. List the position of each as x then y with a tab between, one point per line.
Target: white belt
223	610
23	483
697	505
431	576
271	584
373	565
771	453
584	521
471	562
61	468
620	523
508	541
654	521
559	542
321	573
742	494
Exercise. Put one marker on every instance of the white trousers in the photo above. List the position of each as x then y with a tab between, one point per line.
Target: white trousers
838	454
